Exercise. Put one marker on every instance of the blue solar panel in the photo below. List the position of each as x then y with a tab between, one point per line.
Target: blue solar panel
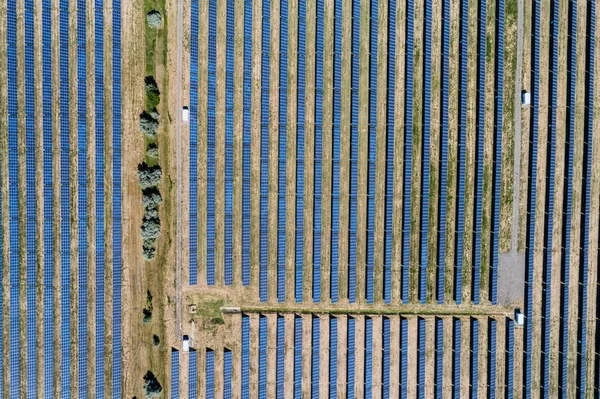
30	178
245	357
354	150
335	184
117	231
227	374
462	155
584	267
510	358
426	156
386	358
421	358
99	187
262	358
474	357
47	107
333	344
280	357
193	374
316	353
229	71
531	190
372	151
389	177
368	358
351	357
299	258
246	142
318	154
210	374
193	142
297	357
410	15
210	160
264	151
492	359
282	187
439	357
456	358
444	152
175	374
403	357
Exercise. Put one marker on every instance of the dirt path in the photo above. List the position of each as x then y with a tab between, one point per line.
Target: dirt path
178	122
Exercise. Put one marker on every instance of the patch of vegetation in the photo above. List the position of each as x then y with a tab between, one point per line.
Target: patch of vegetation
154	19
155	340
152	387
149	176
148	125
152	151
149	308
152	93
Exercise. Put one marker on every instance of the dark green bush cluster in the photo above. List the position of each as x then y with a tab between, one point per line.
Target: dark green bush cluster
152	387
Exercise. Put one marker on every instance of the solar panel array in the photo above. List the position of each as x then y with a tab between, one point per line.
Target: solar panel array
264	150
30	181
247	138
227	366
282	186
99	189
439	357
280	357
193	372
462	154
116	199
510	358
318	151
229	72
175	373
426	160
47	109
389	158
82	196
315	356
65	206
262	358
210	143
403	357
335	178
297	357
456	357
210	374
354	93
351	353
301	74
421	354
408	129
333	361
474	356
193	228
386	357
245	356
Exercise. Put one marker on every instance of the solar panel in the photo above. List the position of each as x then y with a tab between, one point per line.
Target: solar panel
193	228
456	358
439	357
318	153
264	151
210	160
229	91
210	374
297	357
316	353
247	134
474	357
354	87
175	374
227	374
403	357
193	374
245	357
299	258
282	187
351	353
410	15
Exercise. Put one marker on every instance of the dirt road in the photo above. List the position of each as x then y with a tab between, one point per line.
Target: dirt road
178	122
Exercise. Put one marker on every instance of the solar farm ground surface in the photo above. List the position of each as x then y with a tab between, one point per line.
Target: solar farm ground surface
556	354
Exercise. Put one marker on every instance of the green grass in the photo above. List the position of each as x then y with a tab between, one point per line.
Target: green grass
210	309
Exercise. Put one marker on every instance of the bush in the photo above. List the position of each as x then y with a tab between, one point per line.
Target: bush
149	253
151	198
152	92
149	176
150	228
152	151
148	125
151	212
151	385
155	340
154	19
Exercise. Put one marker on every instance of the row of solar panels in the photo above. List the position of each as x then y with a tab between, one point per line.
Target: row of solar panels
370	340
48	195
229	71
